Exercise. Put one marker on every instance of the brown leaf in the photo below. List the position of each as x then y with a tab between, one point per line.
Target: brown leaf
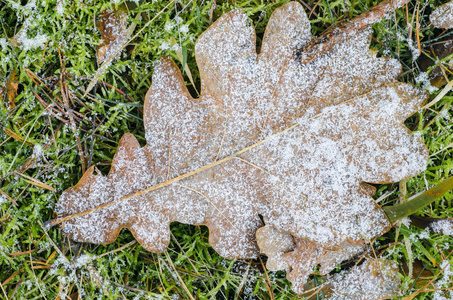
10	88
274	244
442	226
308	254
269	135
442	17
375	279
299	256
113	28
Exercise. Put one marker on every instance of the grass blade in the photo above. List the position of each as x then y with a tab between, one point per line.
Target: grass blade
397	212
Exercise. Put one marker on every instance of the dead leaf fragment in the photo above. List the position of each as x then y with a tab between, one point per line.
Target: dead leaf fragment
114	33
8	92
307	254
442	226
442	17
375	279
438	52
271	136
299	256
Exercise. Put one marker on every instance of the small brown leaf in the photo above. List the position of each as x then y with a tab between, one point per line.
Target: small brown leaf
309	254
375	279
114	33
437	75
10	88
442	17
437	225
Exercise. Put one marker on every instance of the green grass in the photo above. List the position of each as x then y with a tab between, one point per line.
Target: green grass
36	266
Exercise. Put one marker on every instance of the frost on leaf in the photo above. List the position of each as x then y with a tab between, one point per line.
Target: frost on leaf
375	279
112	25
299	256
442	17
274	244
270	135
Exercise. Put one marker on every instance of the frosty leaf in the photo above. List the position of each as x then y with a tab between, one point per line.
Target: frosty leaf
442	17
375	279
274	244
112	25
442	226
270	135
308	254
299	256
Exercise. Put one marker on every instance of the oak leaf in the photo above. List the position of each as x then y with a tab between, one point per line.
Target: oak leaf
273	134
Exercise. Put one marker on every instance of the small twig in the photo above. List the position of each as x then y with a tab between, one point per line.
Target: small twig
268	281
179	277
53	243
8	197
116	250
4	293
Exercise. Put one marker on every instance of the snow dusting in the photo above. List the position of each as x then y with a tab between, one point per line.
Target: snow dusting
326	127
442	17
442	227
373	280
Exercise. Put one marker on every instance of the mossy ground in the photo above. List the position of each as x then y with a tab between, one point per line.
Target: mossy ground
58	53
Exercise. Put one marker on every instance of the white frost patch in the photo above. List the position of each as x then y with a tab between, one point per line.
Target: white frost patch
374	279
4	43
184	28
3	199
442	227
60	7
442	292
164	46
83	260
426	84
39	41
37	151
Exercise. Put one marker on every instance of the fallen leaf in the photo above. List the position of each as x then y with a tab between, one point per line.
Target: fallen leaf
299	256
442	17
442	226
272	134
113	27
308	254
8	92
375	279
274	244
